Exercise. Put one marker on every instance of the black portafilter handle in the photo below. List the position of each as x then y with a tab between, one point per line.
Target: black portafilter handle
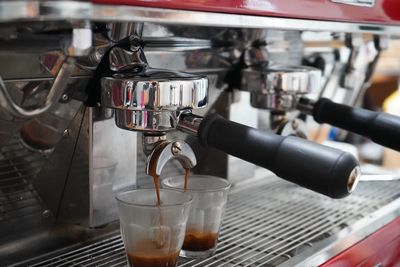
382	128
322	169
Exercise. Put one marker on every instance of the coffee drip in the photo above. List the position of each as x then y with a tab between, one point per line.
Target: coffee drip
155	257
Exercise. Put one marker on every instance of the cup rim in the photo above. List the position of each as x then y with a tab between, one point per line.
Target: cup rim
182	203
199	176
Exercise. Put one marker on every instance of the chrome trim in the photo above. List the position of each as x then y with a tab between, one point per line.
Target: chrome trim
54	95
280	79
44	10
277	87
155	90
189	123
197	18
362	3
121	59
71	10
146	121
150	141
353	179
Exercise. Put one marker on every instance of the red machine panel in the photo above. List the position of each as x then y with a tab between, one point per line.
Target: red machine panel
382	248
384	11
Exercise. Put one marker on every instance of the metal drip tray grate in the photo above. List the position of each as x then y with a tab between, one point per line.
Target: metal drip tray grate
18	200
266	224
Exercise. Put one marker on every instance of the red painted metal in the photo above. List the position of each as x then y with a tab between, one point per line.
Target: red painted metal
382	247
384	11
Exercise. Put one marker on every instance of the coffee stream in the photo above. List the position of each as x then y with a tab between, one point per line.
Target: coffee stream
157	189
152	254
187	173
155	257
195	240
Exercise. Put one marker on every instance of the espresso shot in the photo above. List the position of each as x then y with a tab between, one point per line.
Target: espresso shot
152	260
153	231
210	195
198	241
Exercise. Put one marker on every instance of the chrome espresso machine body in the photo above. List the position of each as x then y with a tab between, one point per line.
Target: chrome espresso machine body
95	97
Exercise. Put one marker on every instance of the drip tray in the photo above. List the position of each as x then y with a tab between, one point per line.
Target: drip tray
268	222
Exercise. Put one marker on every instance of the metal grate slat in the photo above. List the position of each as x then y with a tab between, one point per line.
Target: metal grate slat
18	200
265	224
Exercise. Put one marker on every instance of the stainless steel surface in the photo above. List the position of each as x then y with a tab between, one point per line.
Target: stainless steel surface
112	166
305	105
278	87
270	223
148	100
155	90
44	132
121	59
85	170
71	10
151	140
146	121
165	151
54	95
363	3
119	31
189	123
81	39
357	71
183	17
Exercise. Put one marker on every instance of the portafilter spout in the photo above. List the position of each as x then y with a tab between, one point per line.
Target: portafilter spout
167	150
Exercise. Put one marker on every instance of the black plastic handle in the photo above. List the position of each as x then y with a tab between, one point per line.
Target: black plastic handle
382	128
322	169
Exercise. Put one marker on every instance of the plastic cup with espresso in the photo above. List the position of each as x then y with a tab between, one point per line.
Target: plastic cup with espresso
153	235
209	195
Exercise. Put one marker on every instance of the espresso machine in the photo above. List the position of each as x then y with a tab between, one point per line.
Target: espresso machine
96	96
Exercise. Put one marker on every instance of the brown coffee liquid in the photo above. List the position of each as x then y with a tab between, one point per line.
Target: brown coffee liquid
152	260
157	187
187	173
199	241
153	173
159	239
150	255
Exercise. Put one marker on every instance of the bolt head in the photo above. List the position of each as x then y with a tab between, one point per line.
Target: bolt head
295	124
46	214
64	97
66	133
176	148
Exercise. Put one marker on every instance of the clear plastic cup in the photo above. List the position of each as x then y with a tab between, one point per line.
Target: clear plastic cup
153	235
209	195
